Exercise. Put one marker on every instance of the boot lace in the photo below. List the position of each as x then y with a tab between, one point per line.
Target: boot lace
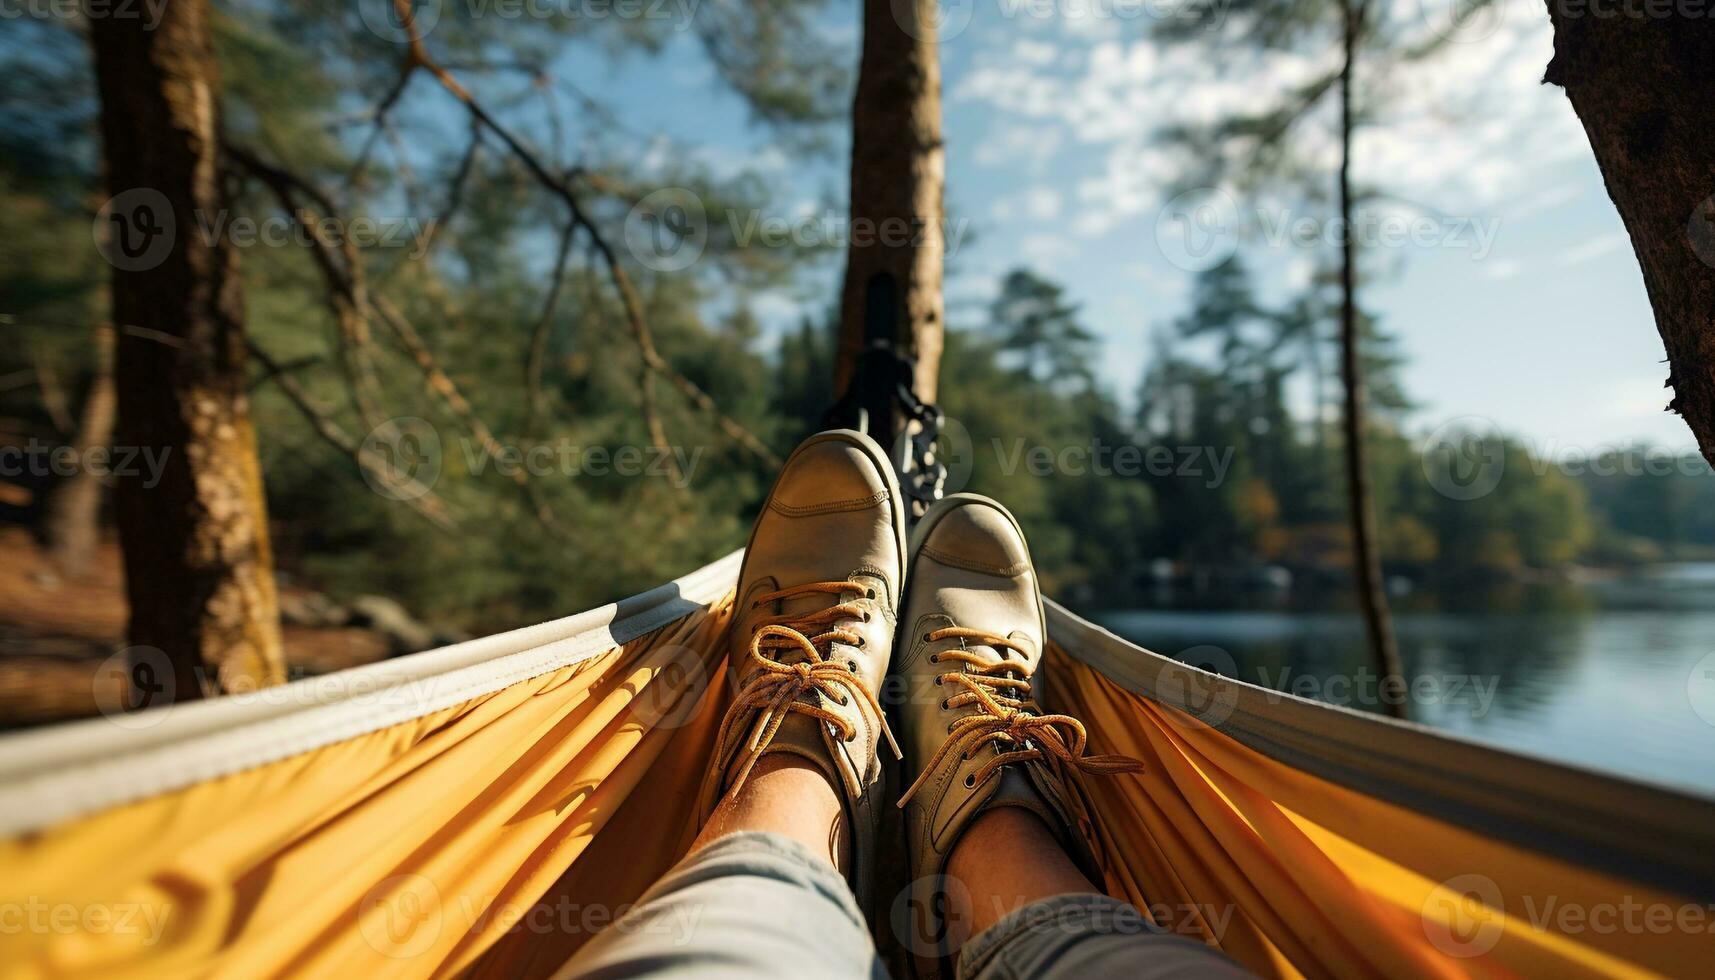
1008	717
778	690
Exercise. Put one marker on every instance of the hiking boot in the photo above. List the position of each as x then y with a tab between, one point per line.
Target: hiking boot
812	630
971	645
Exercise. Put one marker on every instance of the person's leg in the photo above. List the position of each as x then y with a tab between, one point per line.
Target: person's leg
1005	882
761	894
788	796
773	885
1005	860
1025	910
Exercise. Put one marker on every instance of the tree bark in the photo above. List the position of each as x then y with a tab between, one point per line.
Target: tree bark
1644	88
896	251
198	567
1366	557
72	525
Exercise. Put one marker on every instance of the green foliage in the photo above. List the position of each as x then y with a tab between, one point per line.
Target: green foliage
51	277
1652	503
303	80
1027	447
1283	498
1036	324
1028	424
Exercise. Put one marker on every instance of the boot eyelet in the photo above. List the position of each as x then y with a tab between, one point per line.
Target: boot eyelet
944	704
869	593
934	658
860	643
971	781
938	681
866	615
949	729
851	665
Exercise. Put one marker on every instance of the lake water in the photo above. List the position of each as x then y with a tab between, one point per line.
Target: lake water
1616	675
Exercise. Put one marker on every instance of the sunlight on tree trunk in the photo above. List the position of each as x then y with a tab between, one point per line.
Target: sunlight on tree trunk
1644	88
198	567
72	526
898	171
1366	557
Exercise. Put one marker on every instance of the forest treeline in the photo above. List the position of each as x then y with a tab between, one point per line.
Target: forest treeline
557	479
1212	472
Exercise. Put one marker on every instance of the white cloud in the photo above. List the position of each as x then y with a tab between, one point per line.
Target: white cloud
1037	203
1033	145
1042	203
1634	397
1543	200
726	162
1042	249
1037	54
1464	131
1473	125
1130	184
660	152
1158	277
1500	269
1593	249
774	307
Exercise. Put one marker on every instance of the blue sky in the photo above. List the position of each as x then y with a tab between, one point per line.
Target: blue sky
1546	333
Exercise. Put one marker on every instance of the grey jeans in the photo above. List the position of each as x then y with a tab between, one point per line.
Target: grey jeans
761	905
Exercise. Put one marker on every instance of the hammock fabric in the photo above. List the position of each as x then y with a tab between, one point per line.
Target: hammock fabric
486	807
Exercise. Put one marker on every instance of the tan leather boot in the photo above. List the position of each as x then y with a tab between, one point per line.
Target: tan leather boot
813	628
971	643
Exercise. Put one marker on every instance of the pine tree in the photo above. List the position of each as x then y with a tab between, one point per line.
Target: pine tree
1258	149
198	563
1033	320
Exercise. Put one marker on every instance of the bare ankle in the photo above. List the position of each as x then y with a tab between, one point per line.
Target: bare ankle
1005	860
789	796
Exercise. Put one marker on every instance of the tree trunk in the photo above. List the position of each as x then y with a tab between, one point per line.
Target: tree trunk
198	569
893	263
1319	398
72	525
1366	557
53	394
1644	88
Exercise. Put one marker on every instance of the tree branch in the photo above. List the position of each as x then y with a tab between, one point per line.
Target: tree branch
348	282
424	502
621	280
539	336
348	301
378	119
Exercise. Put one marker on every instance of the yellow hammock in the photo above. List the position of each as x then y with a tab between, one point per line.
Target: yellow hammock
486	807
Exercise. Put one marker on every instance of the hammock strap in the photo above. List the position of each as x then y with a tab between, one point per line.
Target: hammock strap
882	401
